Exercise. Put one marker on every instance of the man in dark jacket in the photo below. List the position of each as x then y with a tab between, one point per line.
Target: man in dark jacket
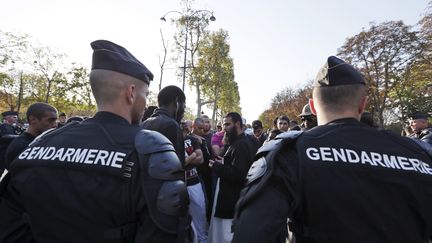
231	171
166	119
8	126
8	132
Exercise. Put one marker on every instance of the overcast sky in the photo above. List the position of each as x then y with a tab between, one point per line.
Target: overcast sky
274	43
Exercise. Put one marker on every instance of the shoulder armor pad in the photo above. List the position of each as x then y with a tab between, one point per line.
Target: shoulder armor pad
257	170
272	144
263	168
426	133
289	135
148	142
425	146
8	138
165	166
166	194
172	198
268	146
52	132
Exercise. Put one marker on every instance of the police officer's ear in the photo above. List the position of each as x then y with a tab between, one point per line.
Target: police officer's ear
362	105
130	92
312	106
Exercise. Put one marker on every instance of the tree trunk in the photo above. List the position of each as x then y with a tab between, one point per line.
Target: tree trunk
48	91
216	98
20	93
197	86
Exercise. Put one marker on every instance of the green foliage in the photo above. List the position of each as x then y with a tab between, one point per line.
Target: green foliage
396	62
30	72
384	53
188	115
215	74
12	46
289	102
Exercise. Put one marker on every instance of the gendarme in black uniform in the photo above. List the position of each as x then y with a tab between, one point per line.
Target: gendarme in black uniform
102	180
7	134
338	182
17	146
425	134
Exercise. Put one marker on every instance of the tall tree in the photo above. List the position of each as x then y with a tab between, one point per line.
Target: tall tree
413	91
382	53
215	74
162	60
49	64
191	29
425	34
14	65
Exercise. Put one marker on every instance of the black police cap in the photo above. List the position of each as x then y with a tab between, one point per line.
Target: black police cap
418	115
110	56
337	72
9	113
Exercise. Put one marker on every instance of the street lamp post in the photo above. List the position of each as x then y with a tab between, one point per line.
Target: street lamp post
189	14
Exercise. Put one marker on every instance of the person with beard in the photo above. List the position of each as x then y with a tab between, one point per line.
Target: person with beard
166	119
231	171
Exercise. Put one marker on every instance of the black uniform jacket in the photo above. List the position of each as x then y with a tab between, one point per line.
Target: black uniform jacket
6	129
343	182
424	135
237	160
17	146
161	122
75	186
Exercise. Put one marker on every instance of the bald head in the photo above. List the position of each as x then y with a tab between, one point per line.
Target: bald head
199	126
107	85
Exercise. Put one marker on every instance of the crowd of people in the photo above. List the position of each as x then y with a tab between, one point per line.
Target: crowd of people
133	173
